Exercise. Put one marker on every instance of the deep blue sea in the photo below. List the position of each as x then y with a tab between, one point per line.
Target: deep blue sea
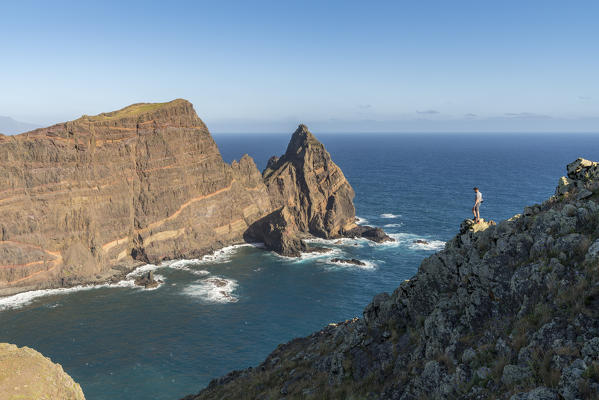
121	342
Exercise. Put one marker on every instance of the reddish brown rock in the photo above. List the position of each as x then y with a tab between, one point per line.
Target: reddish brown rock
141	184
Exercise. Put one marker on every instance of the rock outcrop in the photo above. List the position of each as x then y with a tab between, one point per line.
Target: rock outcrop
26	374
87	200
505	311
310	195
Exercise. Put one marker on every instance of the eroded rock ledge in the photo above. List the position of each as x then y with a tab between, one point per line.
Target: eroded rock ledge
506	311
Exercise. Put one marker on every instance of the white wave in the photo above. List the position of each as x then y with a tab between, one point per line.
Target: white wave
223	255
22	299
144	269
213	290
361	221
185	265
434	245
393	225
312	255
390	216
415	242
357	242
369	265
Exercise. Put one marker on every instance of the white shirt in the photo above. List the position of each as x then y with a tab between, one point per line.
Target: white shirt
479	197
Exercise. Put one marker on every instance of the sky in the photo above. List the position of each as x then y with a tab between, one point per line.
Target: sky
338	66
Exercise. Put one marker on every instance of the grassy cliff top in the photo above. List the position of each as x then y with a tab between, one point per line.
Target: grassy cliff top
134	110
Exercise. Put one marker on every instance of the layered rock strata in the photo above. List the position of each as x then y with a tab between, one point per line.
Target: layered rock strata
141	184
27	374
506	311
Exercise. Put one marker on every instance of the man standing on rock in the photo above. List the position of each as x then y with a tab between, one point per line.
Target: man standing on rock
477	201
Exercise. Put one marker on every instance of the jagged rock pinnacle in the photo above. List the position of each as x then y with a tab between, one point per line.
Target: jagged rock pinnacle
300	139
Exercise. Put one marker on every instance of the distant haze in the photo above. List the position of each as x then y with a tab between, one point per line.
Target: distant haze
9	126
338	66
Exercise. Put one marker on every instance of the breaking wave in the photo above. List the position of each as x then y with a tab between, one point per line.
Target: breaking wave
396	225
390	216
415	242
22	299
361	221
213	290
368	265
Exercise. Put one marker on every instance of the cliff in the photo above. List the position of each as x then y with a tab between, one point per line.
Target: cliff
506	311
87	200
26	374
141	184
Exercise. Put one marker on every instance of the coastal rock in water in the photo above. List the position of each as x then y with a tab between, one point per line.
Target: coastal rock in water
27	374
505	311
368	232
147	281
420	241
353	261
137	185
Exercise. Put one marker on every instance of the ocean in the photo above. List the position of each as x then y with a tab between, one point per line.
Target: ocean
231	309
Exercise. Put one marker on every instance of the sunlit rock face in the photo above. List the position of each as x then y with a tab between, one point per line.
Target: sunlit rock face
27	374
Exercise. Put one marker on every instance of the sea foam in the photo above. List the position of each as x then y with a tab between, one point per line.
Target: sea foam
390	216
368	265
22	299
409	240
213	290
361	221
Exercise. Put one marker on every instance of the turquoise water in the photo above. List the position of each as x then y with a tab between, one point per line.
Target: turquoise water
128	343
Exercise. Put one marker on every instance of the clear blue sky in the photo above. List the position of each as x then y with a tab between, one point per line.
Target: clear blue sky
335	65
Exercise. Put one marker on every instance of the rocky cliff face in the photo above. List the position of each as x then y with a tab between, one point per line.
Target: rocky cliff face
26	374
141	184
506	311
309	194
86	200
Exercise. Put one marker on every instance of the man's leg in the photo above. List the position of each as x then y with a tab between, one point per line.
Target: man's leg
477	209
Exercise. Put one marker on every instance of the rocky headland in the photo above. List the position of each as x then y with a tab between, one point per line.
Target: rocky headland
505	311
27	374
87	201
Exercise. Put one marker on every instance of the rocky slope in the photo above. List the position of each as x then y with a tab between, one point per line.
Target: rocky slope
89	199
506	311
26	374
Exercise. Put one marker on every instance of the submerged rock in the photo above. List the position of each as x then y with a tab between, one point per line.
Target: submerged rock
353	261
27	374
